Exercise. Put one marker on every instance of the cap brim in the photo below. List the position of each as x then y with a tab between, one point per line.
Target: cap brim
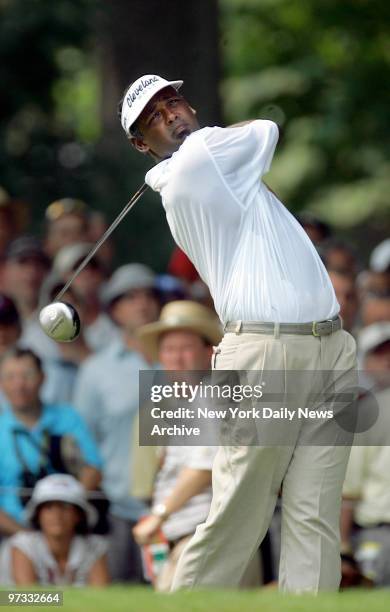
175	84
90	512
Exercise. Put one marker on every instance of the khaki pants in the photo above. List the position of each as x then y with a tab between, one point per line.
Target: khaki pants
247	479
251	578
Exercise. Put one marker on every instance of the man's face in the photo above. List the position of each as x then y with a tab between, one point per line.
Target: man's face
58	518
21	381
135	308
184	350
375	309
346	295
9	335
87	284
23	278
67	229
165	123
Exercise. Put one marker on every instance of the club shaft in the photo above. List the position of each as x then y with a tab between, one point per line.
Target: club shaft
101	240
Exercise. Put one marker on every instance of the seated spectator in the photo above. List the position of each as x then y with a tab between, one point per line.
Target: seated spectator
346	294
98	328
66	223
38	439
59	550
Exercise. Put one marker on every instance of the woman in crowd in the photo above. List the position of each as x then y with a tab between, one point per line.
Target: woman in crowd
59	549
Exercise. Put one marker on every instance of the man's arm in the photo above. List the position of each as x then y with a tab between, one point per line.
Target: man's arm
8	526
90	477
346	522
190	482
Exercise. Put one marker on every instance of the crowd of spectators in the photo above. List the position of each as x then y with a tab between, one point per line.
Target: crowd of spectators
80	498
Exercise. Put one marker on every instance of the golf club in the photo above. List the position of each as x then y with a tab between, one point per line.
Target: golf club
60	320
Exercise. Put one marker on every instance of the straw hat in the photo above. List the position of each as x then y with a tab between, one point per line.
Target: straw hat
181	315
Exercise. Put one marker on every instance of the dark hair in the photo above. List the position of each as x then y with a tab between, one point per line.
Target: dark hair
21	353
9	314
81	527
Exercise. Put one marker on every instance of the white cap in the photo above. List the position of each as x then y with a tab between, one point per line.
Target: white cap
138	95
63	488
380	257
372	336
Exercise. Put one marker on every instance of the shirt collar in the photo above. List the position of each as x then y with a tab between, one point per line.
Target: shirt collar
14	422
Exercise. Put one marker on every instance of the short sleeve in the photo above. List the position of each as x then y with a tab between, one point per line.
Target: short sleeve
97	546
243	154
26	542
200	457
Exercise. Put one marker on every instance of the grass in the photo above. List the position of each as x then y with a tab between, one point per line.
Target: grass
138	599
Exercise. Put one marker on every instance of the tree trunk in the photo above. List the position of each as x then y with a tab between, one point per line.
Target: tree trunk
177	39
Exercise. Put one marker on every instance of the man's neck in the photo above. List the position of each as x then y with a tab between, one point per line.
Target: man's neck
30	415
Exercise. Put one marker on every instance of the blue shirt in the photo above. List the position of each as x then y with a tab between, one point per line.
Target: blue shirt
106	395
55	419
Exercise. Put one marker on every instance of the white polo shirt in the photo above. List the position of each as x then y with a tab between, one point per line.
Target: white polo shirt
256	259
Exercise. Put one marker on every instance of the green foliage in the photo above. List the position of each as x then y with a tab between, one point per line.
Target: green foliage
51	127
318	68
49	104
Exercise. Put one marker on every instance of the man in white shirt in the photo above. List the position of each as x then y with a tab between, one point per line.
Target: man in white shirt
280	313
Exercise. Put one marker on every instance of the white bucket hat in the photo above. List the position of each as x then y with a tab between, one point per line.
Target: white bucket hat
138	95
63	488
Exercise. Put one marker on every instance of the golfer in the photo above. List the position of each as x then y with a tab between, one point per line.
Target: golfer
280	313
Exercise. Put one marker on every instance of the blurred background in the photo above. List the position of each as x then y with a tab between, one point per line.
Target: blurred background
317	68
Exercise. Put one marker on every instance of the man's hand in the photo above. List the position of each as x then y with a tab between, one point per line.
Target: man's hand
147	528
350	574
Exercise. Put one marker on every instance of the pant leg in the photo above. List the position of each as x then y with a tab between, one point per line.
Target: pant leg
246	481
311	499
312	487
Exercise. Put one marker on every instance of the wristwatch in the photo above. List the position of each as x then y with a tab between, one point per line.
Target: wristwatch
160	510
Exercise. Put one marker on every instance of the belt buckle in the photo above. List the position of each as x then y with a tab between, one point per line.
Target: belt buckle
313	329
